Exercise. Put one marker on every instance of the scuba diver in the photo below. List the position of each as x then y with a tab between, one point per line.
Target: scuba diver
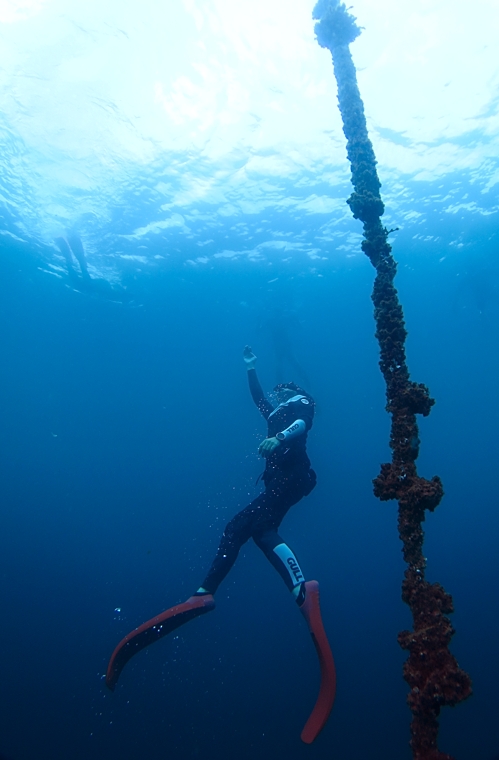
288	477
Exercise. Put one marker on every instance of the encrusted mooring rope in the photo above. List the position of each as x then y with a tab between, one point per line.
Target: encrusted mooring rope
434	677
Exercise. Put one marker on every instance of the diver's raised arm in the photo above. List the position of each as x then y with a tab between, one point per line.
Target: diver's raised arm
256	390
249	358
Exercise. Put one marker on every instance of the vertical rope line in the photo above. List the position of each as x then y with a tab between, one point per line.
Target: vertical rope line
434	677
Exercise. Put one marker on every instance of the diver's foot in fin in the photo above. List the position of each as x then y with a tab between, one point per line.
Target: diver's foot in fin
310	610
155	629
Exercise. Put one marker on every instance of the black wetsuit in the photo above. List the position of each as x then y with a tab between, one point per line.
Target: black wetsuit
288	477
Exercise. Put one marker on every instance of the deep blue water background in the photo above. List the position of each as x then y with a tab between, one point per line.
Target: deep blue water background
128	440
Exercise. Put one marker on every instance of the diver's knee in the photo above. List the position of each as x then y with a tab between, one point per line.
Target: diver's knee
235	532
266	540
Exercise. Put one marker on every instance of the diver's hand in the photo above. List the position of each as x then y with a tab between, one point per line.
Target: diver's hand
249	357
267	446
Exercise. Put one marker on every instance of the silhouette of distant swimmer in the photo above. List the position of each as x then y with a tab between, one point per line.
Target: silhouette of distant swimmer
71	253
72	249
288	477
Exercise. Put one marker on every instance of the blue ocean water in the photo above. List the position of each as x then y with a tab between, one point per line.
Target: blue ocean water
129	437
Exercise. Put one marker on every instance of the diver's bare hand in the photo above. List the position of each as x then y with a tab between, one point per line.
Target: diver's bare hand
249	357
267	446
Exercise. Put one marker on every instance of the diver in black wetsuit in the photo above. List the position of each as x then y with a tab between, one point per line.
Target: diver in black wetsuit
288	477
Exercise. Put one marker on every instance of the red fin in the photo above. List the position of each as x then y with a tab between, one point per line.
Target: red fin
153	630
312	613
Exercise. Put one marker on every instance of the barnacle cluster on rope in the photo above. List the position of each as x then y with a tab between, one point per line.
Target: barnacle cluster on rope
434	677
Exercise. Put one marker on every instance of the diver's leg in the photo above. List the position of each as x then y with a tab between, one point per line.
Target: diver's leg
282	558
281	494
64	248
236	533
264	513
79	253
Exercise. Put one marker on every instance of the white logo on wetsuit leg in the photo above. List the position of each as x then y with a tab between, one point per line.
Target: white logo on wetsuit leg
289	560
295	569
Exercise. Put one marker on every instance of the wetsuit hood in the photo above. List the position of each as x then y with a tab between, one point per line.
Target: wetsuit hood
296	388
